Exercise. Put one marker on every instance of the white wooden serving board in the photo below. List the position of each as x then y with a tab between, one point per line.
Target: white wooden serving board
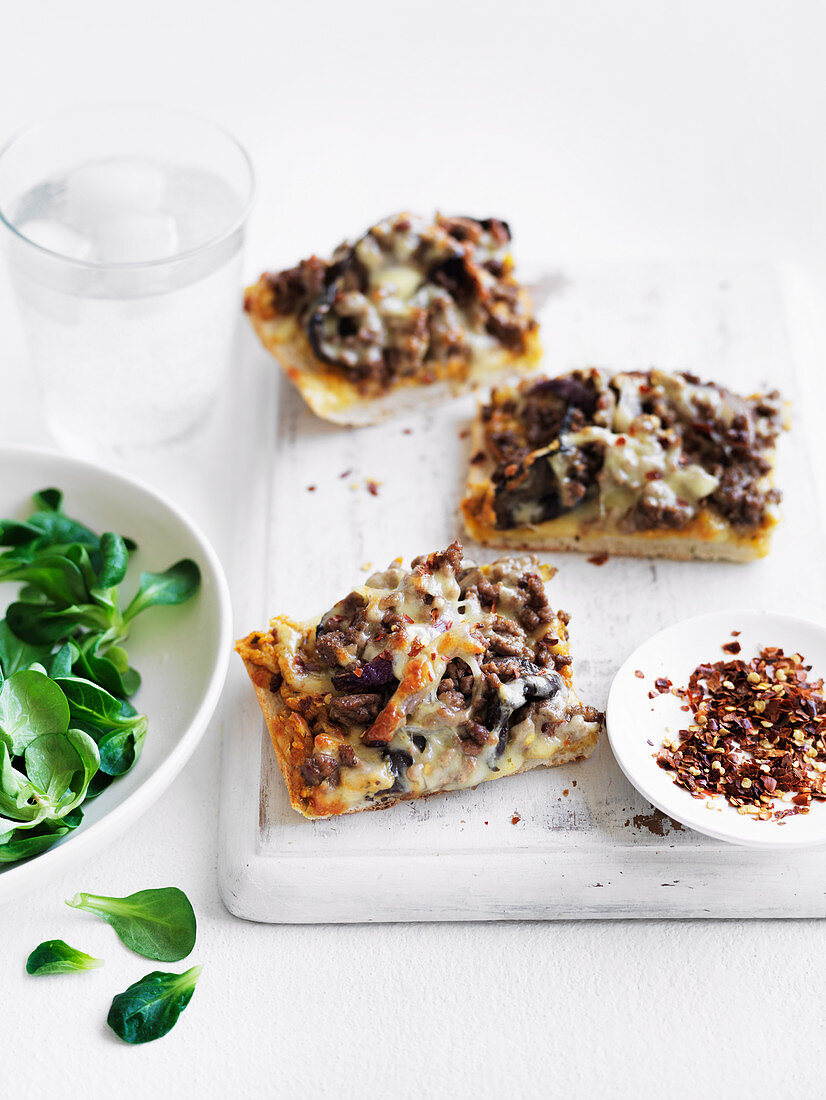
575	841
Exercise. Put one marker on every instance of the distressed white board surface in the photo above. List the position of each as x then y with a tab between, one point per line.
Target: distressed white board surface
575	841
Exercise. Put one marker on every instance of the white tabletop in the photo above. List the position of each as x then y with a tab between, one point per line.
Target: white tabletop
630	130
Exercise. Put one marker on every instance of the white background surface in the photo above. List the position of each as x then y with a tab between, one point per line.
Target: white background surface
600	129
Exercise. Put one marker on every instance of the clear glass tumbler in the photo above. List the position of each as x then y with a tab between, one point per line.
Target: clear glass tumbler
126	227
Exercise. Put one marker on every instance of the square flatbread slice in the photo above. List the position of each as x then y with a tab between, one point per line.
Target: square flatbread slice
435	678
413	312
646	464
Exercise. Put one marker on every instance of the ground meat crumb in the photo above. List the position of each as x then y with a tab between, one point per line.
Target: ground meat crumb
347	756
318	768
354	710
432	563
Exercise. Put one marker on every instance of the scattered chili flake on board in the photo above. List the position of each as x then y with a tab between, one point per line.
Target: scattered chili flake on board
731	647
758	735
598	559
663	684
515	819
373	487
638	672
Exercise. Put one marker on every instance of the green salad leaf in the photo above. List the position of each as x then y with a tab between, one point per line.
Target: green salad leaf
158	924
31	704
177	585
150	1008
67	728
57	957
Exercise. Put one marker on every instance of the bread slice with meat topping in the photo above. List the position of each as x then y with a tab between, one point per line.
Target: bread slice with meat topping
646	464
412	311
435	678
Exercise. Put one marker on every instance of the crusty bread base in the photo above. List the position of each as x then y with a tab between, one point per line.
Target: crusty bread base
334	397
707	538
274	712
675	546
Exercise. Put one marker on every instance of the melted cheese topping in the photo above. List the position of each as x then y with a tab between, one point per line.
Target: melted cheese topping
627	465
422	752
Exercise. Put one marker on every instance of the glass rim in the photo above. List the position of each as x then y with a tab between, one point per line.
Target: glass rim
135	265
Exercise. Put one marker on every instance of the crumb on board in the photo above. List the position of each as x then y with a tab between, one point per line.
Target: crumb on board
638	672
346	473
311	488
515	819
731	647
464	433
366	567
598	559
655	823
372	487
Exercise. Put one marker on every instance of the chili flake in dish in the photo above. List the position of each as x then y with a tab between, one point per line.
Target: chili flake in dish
758	735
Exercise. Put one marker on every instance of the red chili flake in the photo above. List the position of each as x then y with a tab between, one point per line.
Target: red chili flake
663	684
407	431
346	473
652	695
477	458
515	819
735	633
416	646
620	441
372	487
566	792
653	475
638	672
758	733
464	433
311	488
598	559
731	647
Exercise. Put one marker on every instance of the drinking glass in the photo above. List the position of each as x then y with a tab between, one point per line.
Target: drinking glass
125	231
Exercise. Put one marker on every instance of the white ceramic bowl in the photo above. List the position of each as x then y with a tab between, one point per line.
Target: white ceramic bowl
181	652
636	724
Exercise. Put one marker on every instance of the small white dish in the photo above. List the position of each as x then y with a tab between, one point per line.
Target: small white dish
181	653
637	725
